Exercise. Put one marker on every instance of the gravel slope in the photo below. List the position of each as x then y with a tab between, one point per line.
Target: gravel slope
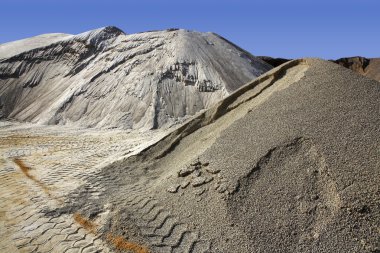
287	163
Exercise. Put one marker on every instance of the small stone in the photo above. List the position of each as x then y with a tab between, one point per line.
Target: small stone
364	209
200	191
197	173
196	163
185	171
212	170
173	188
314	197
205	164
184	184
209	179
198	167
198	181
222	188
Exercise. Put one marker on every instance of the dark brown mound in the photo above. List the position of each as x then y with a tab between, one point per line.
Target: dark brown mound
367	67
275	62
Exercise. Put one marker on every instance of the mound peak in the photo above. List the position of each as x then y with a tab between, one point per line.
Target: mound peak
105	78
99	37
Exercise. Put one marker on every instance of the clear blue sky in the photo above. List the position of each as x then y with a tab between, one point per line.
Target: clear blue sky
281	28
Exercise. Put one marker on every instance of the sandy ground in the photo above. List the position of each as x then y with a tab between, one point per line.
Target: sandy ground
39	167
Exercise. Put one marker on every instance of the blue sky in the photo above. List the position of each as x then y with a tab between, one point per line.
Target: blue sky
280	28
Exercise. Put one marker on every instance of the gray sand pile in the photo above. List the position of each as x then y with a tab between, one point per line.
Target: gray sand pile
287	163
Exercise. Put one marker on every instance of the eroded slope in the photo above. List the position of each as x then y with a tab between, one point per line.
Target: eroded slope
105	78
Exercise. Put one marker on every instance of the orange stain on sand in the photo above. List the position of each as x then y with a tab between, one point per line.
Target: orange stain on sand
121	244
85	223
26	170
117	241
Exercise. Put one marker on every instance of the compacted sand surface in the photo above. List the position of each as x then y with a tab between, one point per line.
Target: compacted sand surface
39	167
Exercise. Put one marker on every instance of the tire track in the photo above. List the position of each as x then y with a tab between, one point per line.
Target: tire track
161	229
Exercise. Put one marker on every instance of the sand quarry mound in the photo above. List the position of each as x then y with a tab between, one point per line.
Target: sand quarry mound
287	163
105	78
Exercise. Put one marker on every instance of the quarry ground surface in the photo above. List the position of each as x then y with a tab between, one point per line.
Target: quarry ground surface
39	168
287	163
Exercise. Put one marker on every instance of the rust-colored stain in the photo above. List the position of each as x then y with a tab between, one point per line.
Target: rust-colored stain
25	169
117	241
121	244
85	223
